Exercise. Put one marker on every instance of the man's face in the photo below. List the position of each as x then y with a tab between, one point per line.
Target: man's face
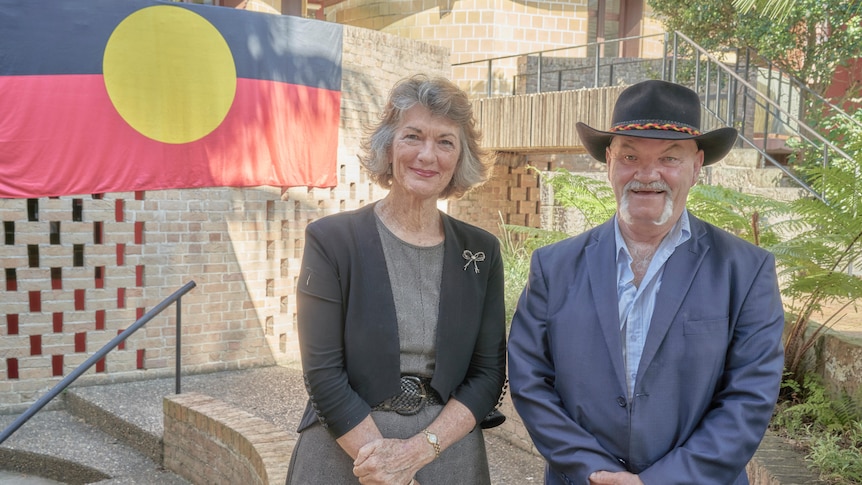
651	179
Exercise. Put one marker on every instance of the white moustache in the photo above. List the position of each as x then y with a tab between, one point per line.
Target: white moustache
658	185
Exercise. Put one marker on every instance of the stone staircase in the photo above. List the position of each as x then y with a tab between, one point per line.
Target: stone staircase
115	433
743	170
70	446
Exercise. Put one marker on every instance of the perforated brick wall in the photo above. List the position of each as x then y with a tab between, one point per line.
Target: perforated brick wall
71	266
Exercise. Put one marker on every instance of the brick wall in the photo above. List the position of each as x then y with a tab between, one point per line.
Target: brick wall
475	30
511	196
208	441
472	30
78	270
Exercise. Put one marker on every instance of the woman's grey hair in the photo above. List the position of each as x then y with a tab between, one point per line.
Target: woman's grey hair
442	98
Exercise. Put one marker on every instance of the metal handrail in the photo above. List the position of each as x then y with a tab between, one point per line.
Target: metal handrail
827	105
807	134
62	385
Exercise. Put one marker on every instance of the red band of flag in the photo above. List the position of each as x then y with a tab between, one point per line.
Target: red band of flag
104	96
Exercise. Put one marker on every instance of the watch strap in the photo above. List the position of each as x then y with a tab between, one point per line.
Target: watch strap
433	441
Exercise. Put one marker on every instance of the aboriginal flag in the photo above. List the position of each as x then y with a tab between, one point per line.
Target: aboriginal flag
111	96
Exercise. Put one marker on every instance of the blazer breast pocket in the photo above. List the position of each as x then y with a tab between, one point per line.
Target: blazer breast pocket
705	327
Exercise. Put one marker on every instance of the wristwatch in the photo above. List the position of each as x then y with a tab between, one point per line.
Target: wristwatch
433	441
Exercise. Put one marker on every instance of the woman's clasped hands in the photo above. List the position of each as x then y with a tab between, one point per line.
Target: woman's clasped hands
392	461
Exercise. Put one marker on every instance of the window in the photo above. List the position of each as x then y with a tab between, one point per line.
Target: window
609	20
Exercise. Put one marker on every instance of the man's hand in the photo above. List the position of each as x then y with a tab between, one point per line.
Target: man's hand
614	478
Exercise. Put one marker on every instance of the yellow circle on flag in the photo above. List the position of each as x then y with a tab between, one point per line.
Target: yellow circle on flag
169	73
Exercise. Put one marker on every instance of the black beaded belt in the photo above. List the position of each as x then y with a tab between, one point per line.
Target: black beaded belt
416	393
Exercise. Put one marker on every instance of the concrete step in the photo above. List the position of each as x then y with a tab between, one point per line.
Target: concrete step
112	433
745	177
59	447
741	158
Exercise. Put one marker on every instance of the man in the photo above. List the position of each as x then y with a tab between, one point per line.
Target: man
648	350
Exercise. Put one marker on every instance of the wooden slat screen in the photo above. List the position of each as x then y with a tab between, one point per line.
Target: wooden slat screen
543	122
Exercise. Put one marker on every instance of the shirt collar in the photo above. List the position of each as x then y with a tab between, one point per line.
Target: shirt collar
679	233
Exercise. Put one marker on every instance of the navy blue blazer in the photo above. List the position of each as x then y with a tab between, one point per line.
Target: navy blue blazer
707	382
348	332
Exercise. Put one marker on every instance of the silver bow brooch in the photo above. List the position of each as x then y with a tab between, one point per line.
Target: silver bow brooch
473	258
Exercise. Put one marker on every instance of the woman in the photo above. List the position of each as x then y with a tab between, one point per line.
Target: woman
400	310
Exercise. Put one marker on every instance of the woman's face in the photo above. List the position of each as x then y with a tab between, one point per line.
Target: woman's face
425	153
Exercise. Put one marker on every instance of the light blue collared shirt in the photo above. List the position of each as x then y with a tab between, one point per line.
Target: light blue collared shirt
636	303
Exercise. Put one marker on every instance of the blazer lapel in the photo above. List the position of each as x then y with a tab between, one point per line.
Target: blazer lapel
603	284
375	272
458	289
452	287
679	272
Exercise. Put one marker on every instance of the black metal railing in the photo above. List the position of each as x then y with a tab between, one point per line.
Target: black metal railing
561	68
69	379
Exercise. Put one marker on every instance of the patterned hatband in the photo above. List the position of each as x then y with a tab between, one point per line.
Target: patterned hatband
657	126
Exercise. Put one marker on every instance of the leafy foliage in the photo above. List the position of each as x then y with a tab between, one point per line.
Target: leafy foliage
830	429
822	245
838	458
811	405
516	245
747	216
593	198
809	39
709	23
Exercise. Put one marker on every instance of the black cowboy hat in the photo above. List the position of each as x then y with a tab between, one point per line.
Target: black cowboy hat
658	109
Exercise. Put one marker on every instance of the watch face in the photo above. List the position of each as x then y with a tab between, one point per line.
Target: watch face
432	438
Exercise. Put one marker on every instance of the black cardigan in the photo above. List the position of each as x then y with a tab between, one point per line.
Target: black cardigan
348	332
